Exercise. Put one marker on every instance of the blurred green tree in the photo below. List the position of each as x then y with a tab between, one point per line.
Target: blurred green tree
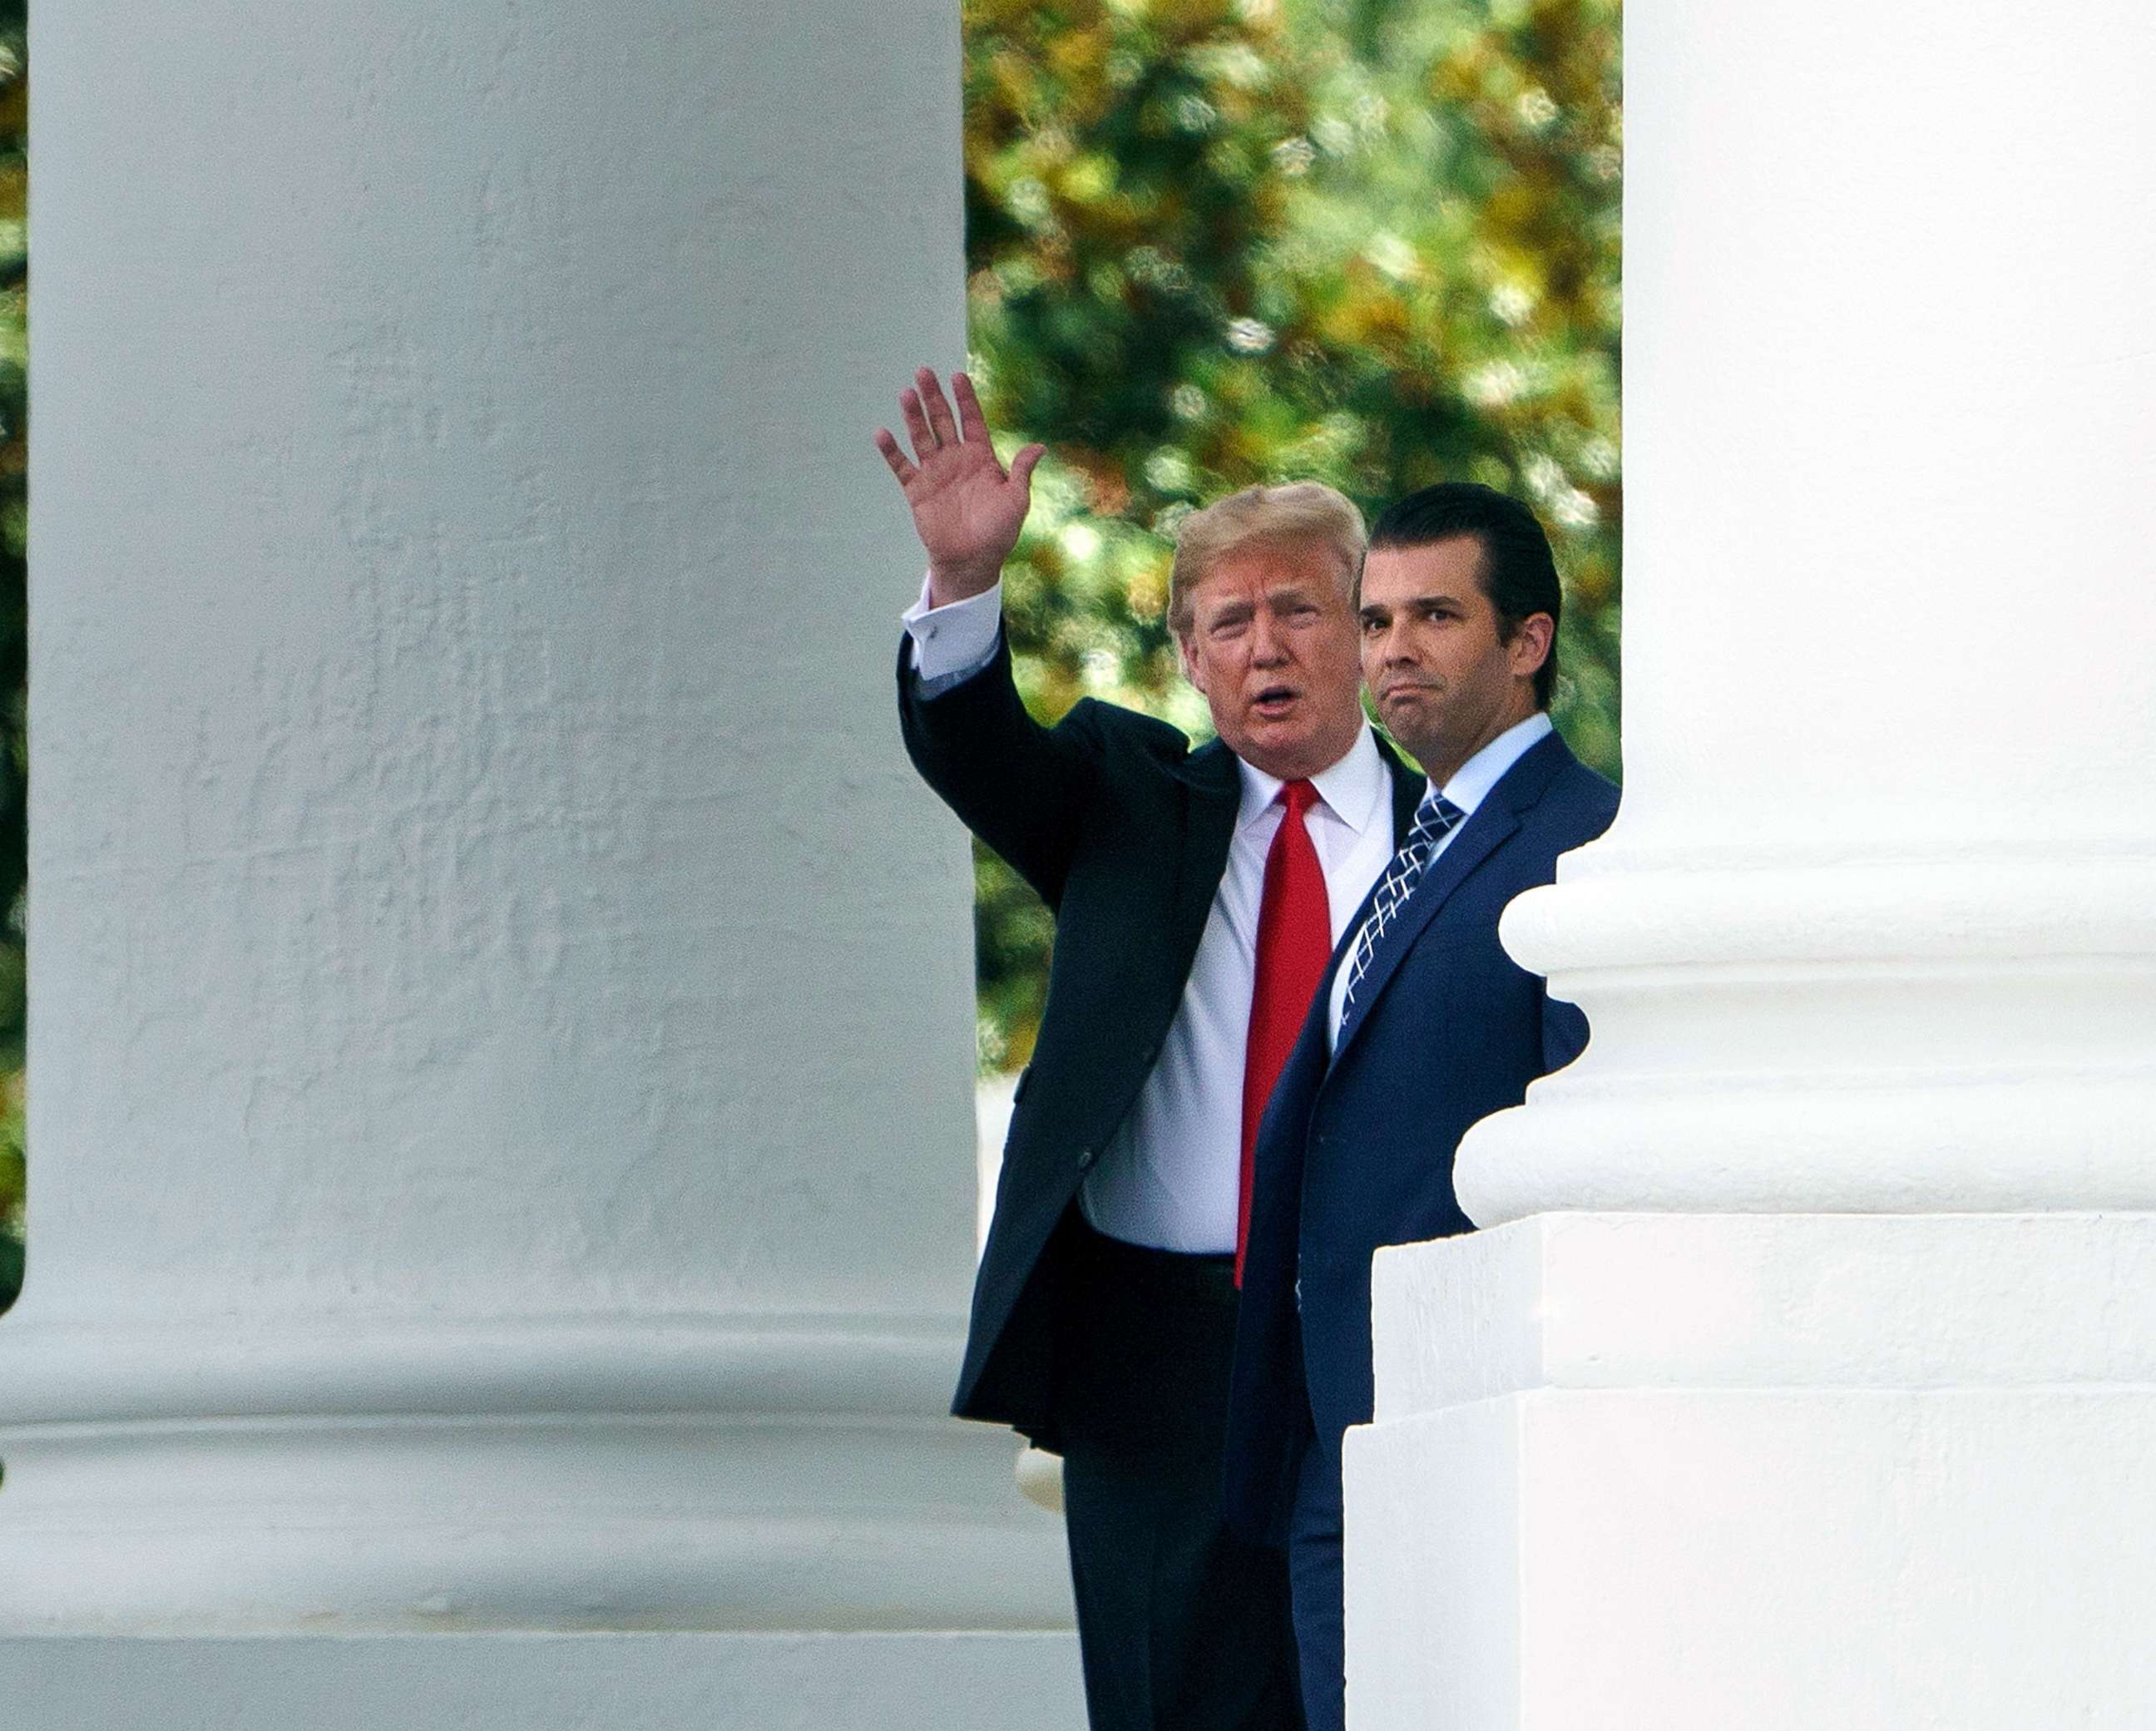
1211	243
14	622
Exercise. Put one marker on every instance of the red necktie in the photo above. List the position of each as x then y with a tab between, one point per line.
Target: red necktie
1295	940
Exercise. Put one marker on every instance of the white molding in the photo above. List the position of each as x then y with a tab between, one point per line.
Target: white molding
806	1681
532	1472
1915	1034
654	1522
1619	906
74	1369
1601	1301
2009	1145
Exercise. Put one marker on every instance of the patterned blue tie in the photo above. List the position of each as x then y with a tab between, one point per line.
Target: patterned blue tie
1437	818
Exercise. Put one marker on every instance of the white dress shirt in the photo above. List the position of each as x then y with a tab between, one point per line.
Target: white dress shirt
955	640
1470	786
1171	1176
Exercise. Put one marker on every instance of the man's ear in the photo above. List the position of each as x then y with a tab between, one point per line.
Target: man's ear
1530	644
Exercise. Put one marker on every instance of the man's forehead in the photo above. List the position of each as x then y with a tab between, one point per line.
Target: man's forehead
1451	567
1259	567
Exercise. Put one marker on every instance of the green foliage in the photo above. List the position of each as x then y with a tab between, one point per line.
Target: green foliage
14	623
11	1189
1211	243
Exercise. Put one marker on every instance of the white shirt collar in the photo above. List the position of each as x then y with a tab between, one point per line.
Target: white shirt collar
1472	782
1352	787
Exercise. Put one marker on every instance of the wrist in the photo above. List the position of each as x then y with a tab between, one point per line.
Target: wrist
950	583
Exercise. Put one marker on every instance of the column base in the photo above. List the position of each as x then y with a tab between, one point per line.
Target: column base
546	1682
559	1474
1696	1471
1912	1030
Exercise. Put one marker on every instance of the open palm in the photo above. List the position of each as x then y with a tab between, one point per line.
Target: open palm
967	509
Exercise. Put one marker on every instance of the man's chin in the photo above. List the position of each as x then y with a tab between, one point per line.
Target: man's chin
1277	740
1408	724
1300	746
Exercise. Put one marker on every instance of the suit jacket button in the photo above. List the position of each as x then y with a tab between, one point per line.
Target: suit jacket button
1086	1157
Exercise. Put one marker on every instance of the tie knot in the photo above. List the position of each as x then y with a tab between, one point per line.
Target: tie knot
1298	796
1436	814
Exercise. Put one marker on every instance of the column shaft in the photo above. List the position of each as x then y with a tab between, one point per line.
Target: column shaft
502	1033
1876	925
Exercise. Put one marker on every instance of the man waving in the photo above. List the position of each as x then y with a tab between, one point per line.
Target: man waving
1197	895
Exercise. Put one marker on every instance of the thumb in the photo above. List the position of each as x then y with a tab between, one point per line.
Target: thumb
1021	468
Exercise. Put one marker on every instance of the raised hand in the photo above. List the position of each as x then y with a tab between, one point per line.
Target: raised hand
966	508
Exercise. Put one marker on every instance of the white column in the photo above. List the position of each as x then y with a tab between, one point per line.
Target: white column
501	1058
1811	1382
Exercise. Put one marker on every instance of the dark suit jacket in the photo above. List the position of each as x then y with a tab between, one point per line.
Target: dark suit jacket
1124	831
1355	1148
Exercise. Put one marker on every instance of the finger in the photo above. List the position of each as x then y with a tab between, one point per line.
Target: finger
917	429
971	423
939	411
893	455
1021	468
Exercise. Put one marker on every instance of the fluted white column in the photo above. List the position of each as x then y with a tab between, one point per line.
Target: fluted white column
1809	1384
502	1047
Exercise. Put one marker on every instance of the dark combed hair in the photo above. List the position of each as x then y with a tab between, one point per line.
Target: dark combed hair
1519	572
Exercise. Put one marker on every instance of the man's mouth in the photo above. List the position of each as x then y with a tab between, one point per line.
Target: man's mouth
1274	701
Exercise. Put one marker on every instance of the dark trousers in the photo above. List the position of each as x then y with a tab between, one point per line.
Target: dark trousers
1182	1626
1317	1585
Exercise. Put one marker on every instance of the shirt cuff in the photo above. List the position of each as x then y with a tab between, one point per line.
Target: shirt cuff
953	643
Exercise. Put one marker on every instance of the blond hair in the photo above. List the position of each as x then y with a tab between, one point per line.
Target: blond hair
1305	510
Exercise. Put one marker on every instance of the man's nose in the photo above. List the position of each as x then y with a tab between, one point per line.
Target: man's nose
1268	645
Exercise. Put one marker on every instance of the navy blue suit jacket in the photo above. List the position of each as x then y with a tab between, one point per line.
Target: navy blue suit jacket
1355	1148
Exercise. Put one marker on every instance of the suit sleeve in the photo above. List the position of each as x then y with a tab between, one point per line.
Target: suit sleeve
1564	1026
1564	1032
1025	789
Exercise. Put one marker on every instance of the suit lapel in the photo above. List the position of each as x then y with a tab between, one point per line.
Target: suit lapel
1477	840
1494	821
1216	795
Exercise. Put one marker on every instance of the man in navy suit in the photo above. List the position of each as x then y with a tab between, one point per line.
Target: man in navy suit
1421	1026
